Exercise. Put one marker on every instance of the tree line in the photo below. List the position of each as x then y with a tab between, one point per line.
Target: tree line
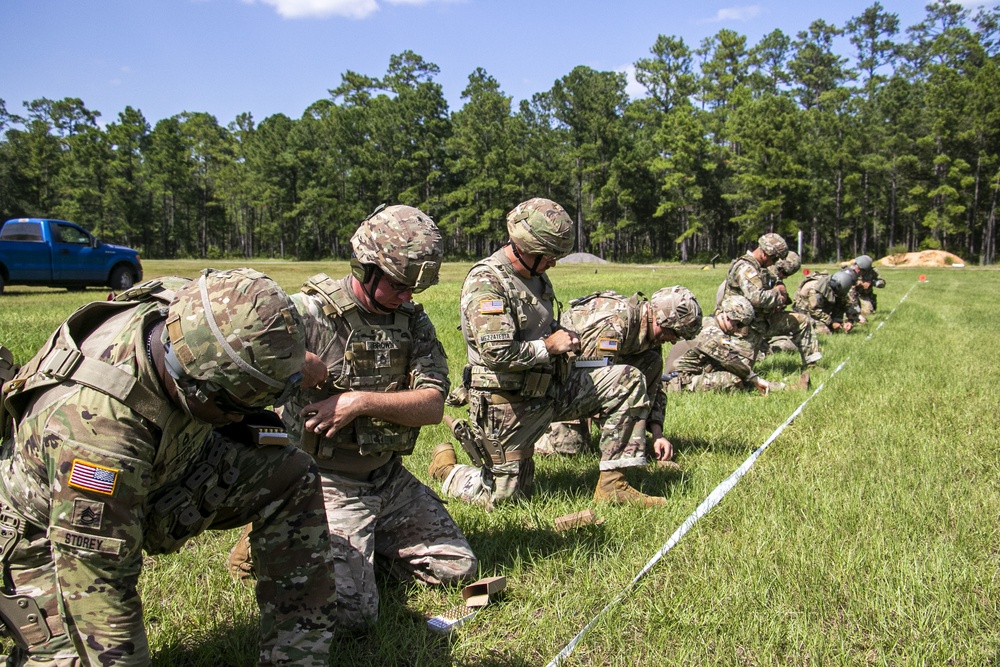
892	148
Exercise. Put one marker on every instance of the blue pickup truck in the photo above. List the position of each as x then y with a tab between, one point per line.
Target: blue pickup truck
35	251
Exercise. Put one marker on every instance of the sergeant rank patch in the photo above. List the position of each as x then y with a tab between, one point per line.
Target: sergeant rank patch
87	513
93	477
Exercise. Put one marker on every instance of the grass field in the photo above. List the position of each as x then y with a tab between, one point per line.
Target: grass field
866	534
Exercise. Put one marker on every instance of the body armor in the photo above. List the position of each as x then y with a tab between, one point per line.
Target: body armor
376	358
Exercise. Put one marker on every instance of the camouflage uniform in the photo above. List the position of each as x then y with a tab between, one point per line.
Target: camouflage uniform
616	329
780	272
712	361
747	278
101	465
499	335
515	388
864	299
375	507
715	360
816	299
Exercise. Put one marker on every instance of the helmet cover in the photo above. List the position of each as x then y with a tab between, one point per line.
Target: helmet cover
675	308
235	331
541	227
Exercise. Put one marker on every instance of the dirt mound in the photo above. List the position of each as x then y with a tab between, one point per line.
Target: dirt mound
923	258
582	258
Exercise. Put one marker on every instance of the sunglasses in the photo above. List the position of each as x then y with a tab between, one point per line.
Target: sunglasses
399	288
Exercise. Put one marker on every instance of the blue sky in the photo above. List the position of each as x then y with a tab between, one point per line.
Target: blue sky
225	57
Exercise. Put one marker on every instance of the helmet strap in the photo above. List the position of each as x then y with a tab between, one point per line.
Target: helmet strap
533	270
369	289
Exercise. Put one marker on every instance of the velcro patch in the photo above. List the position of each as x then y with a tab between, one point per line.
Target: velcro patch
607	345
380	345
752	273
87	513
490	307
93	477
104	545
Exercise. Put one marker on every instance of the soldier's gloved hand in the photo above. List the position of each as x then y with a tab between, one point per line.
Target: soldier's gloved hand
562	341
782	292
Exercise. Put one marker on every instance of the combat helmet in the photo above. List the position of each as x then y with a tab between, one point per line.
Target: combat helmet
790	265
401	241
864	262
738	309
773	245
235	333
675	308
541	227
842	281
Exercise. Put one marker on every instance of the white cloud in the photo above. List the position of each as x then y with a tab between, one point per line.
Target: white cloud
352	9
744	13
633	88
301	9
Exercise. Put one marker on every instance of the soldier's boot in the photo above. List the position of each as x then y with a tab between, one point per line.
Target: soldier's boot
240	562
612	487
443	461
812	359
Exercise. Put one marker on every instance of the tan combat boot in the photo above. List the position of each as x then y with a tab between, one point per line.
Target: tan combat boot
443	461
613	488
240	562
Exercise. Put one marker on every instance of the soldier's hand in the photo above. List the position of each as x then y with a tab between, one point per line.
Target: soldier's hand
762	386
848	326
313	371
663	449
782	292
328	416
562	341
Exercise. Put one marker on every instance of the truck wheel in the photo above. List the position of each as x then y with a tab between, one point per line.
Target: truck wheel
121	279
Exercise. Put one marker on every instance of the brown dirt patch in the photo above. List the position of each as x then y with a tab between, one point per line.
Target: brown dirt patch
923	258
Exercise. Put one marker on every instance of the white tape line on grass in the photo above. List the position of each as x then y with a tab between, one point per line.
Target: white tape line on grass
706	505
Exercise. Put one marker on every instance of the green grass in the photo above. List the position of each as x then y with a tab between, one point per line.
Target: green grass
866	534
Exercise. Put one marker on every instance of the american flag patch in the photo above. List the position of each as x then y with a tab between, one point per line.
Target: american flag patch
607	345
92	477
490	306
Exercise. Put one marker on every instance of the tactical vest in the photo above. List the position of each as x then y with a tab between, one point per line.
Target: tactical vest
531	383
606	349
376	358
818	281
732	286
